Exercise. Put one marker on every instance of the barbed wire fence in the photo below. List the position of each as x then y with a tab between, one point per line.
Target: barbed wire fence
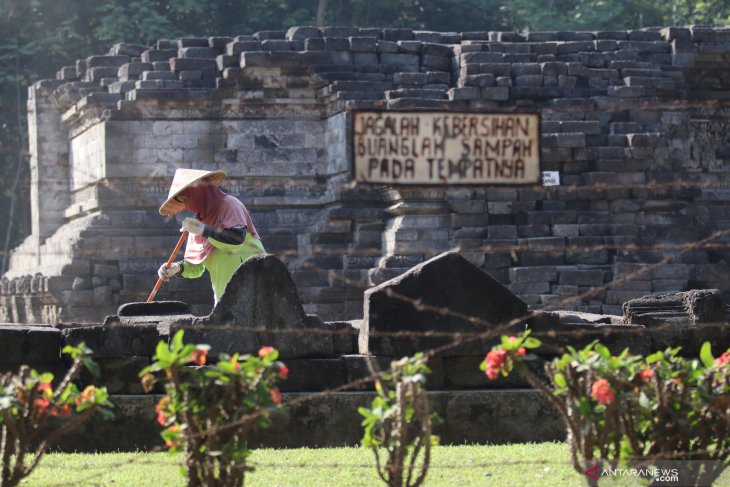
715	240
494	330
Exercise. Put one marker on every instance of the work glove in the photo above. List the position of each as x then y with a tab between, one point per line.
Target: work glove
193	226
166	273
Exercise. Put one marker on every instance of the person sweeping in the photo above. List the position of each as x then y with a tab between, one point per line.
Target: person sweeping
222	234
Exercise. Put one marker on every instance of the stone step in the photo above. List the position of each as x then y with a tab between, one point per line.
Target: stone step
332	420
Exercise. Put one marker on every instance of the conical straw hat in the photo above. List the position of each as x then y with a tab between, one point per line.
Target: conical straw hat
184	178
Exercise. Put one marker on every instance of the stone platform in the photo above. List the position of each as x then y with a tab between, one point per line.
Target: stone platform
330	420
329	374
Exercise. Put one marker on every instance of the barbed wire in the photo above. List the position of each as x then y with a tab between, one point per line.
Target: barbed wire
563	187
456	339
495	329
419	305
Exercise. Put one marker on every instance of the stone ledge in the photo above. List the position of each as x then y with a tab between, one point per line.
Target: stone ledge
506	416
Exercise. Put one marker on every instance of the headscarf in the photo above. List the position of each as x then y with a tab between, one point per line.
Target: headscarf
213	207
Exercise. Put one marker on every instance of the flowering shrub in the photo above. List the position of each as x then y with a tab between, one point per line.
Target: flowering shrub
399	421
512	350
28	402
209	411
628	408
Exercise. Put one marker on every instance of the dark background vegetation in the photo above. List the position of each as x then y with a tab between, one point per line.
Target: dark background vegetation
37	37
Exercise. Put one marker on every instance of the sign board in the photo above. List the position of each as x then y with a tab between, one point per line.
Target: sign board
550	178
446	148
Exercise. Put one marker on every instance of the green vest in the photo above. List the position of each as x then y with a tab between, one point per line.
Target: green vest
222	262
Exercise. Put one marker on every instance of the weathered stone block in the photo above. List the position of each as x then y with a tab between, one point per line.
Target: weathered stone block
96	74
362	368
401	314
186	64
261	307
302	33
689	308
495	93
102	296
581	277
411	61
116	339
153	55
29	344
314	375
106	61
344	335
435	62
119	375
197	53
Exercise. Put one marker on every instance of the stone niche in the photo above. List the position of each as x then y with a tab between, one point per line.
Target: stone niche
635	122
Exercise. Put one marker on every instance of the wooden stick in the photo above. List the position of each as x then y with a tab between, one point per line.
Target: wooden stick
160	280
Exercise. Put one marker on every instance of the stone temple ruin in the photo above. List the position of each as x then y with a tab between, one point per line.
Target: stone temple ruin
634	123
328	361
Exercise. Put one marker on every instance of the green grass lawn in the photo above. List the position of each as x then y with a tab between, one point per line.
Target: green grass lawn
540	464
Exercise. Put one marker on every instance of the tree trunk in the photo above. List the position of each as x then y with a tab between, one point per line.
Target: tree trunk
21	151
321	8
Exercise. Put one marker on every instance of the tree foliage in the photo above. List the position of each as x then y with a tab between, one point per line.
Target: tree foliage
37	37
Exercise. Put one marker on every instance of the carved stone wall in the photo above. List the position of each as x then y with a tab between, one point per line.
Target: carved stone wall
634	121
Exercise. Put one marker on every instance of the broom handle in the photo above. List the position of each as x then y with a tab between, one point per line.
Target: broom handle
179	245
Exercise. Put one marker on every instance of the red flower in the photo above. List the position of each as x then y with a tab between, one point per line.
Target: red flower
276	396
646	375
496	361
601	392
41	404
264	351
283	371
175	441
160	410
199	356
86	395
723	359
44	386
521	351
65	410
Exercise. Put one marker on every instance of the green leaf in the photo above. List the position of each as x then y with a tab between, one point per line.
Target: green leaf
563	362
559	380
70	350
585	407
603	351
706	355
177	341
654	357
162	353
46	377
92	367
364	411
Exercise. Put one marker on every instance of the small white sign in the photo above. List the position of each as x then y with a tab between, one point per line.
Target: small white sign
551	178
